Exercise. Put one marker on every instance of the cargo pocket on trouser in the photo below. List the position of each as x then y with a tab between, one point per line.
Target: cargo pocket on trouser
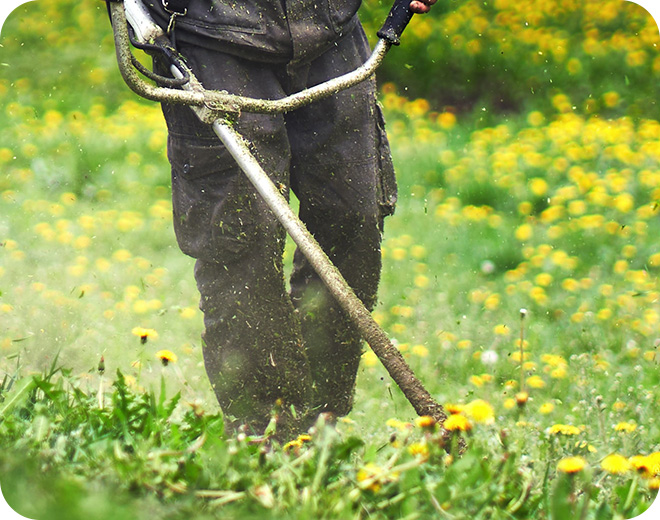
387	188
217	216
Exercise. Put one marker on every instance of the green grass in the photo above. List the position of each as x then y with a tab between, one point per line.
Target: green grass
545	210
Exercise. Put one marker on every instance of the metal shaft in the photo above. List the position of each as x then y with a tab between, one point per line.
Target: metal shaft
372	333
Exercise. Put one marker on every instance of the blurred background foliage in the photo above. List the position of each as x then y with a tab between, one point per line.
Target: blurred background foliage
509	56
466	55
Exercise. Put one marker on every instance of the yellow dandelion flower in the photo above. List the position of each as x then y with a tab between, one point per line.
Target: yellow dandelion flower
625	427
140	306
574	66
538	186
615	464
649	355
398	328
370	359
464	344
628	251
619	406
121	255
611	99
543	279
524	232
571	465
166	357
486	378
535	118
419	449
304	437
570	284
454	408
563	429
144	334
558	373
501	330
399	425
480	411
420	350
418	252
68	199
535	382
516	356
509	403
422	281
295	444
553	360
546	408
372	477
446	120
188	312
457	422
492	302
425	421
620	266
522	398
654	260
643	465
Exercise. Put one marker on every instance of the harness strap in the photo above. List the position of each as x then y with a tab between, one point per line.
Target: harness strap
176	7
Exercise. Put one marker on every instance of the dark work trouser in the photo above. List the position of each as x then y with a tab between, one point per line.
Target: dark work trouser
263	344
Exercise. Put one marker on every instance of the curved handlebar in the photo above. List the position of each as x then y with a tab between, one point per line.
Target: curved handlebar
396	22
123	12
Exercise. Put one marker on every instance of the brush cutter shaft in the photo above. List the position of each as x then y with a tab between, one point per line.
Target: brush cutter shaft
372	333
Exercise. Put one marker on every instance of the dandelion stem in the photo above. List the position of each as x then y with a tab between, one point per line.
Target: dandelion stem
101	396
523	313
436	505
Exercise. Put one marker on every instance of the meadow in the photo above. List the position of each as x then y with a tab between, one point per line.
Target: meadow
520	282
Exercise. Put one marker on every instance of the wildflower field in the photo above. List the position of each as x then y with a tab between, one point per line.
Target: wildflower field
520	282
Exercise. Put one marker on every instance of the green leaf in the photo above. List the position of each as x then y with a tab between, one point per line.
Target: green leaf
561	506
604	512
40	428
344	450
18	397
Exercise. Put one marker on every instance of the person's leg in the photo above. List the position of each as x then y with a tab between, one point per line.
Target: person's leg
252	341
342	173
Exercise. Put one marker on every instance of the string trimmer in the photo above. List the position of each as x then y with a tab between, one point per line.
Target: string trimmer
132	24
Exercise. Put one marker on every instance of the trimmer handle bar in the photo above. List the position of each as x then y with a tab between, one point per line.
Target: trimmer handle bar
147	32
